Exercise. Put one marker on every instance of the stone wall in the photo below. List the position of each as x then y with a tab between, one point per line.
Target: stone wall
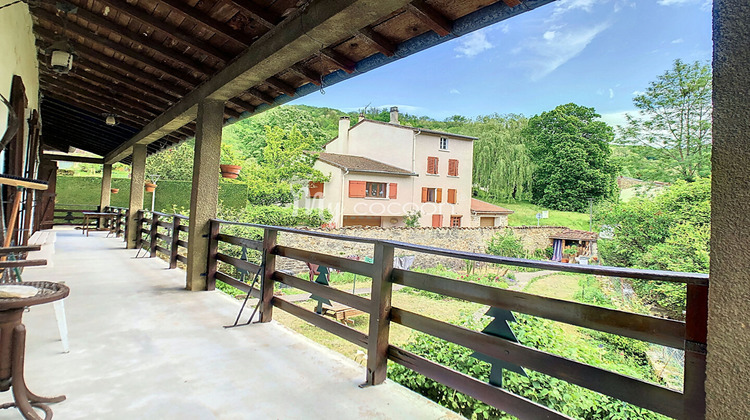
462	239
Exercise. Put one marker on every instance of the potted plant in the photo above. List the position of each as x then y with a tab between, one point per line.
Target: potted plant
150	186
114	190
229	163
570	252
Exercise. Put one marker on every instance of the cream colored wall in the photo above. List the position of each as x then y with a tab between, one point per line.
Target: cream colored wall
391	145
384	207
500	221
462	150
19	57
332	193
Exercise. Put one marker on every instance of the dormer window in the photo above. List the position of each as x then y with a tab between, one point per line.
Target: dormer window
443	143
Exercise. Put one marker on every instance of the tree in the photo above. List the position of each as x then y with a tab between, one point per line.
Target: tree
674	118
572	158
285	167
670	231
499	327
174	163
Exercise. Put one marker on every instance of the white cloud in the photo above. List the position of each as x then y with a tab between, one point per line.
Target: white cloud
504	28
621	4
455	92
411	109
638	92
611	93
564	6
549	53
617	118
473	44
549	35
678	41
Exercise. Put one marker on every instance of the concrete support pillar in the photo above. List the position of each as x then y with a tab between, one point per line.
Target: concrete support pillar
104	199
137	179
728	369
204	195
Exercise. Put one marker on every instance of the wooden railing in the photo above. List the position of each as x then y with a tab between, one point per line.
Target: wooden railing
71	214
689	335
164	233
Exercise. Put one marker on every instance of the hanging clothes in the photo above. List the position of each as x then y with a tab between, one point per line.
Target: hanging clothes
557	246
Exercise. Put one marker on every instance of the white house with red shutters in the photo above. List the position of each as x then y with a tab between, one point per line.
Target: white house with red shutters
380	172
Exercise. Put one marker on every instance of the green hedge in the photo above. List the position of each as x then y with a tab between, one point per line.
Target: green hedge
85	190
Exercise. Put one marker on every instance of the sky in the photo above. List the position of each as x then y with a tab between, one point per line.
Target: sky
596	53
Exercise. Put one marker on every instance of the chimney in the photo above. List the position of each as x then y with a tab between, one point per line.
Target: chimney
394	115
361	117
343	140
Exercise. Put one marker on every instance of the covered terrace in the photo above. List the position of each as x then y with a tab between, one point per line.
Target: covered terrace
169	70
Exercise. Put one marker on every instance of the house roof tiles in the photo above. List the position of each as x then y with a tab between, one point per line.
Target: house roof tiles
479	206
361	164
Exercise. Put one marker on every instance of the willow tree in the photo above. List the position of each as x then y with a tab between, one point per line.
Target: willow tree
502	165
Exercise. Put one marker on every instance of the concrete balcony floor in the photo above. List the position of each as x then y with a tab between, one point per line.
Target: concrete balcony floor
144	348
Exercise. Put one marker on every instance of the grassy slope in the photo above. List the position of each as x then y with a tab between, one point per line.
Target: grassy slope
525	215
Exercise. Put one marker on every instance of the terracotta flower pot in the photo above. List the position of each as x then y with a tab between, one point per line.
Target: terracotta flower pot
114	190
230	171
150	187
564	260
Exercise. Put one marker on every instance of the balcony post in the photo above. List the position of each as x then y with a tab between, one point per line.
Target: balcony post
137	180
174	247
104	199
213	249
728	371
269	267
204	196
377	341
153	233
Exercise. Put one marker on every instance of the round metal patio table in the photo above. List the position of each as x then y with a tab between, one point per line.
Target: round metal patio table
13	346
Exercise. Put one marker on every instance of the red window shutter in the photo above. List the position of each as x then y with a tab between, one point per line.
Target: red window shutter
453	167
432	165
392	190
451	196
439	195
424	194
437	220
357	189
316	189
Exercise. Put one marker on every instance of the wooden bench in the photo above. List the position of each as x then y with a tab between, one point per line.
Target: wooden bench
341	313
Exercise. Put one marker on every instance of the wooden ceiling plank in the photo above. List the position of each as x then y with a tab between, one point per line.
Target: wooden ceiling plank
122	49
137	38
380	42
512	3
431	17
145	18
206	20
281	85
264	97
80	123
246	106
104	104
89	106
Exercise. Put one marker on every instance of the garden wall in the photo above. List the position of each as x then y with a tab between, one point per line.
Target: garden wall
462	239
86	190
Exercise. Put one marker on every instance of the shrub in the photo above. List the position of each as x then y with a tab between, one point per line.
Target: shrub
506	244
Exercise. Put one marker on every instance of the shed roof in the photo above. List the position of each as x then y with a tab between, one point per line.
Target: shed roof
352	163
575	235
479	206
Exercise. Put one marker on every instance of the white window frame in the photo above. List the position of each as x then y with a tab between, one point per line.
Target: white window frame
447	144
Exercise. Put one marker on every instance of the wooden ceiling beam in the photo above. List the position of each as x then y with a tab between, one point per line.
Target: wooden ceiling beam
281	85
136	38
339	59
512	3
77	121
177	34
88	105
139	57
107	96
264	97
204	19
71	158
308	74
263	16
246	106
431	17
105	104
380	42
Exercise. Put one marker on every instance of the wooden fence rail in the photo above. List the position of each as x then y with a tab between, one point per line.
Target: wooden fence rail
689	336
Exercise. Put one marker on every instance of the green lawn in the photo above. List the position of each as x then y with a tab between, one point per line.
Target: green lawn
525	215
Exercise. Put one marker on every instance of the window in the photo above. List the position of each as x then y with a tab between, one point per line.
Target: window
316	189
375	189
437	220
455	221
357	189
432	195
452	196
452	167
432	165
392	190
443	143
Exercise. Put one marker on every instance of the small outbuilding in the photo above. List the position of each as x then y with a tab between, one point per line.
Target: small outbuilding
484	214
584	242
